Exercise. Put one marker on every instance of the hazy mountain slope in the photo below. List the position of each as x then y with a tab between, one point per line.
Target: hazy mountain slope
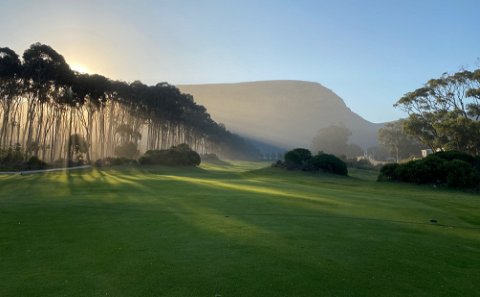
281	113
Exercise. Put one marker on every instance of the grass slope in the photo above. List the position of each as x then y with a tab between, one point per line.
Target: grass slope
233	230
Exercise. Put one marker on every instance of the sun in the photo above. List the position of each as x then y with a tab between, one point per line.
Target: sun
79	68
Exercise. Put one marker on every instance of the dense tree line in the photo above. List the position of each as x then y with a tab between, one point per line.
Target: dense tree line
453	169
444	114
48	110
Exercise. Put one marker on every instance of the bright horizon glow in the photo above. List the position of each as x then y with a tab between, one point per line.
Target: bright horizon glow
368	52
80	68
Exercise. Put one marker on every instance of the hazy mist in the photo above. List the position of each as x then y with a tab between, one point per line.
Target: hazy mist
283	113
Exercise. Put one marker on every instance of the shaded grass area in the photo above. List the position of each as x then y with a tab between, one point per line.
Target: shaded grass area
233	229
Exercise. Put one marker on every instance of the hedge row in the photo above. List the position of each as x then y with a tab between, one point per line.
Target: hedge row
453	169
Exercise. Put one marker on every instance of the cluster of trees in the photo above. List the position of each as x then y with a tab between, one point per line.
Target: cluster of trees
334	140
453	169
302	159
48	110
444	114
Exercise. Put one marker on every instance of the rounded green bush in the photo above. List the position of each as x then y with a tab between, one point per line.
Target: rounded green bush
297	158
389	172
329	163
460	174
34	163
180	155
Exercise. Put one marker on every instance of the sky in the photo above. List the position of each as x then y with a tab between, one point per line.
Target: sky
368	52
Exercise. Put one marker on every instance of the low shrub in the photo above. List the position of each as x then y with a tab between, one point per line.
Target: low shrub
34	163
455	155
460	174
302	159
328	163
453	169
180	155
389	172
423	171
12	157
297	159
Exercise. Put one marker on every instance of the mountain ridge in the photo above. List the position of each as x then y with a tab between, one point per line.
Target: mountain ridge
281	113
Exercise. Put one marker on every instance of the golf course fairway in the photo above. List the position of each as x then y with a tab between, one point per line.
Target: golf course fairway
234	229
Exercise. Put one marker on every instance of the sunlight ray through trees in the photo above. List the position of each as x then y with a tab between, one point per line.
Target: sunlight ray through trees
49	111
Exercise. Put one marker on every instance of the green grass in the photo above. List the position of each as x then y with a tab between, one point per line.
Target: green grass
233	230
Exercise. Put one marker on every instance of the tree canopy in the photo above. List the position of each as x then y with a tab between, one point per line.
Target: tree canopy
444	114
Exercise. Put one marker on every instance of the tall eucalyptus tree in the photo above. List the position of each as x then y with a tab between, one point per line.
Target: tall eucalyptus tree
54	113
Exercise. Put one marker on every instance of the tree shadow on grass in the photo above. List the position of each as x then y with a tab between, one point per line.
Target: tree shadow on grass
372	243
251	229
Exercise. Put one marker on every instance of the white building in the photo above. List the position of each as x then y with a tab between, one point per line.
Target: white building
426	152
